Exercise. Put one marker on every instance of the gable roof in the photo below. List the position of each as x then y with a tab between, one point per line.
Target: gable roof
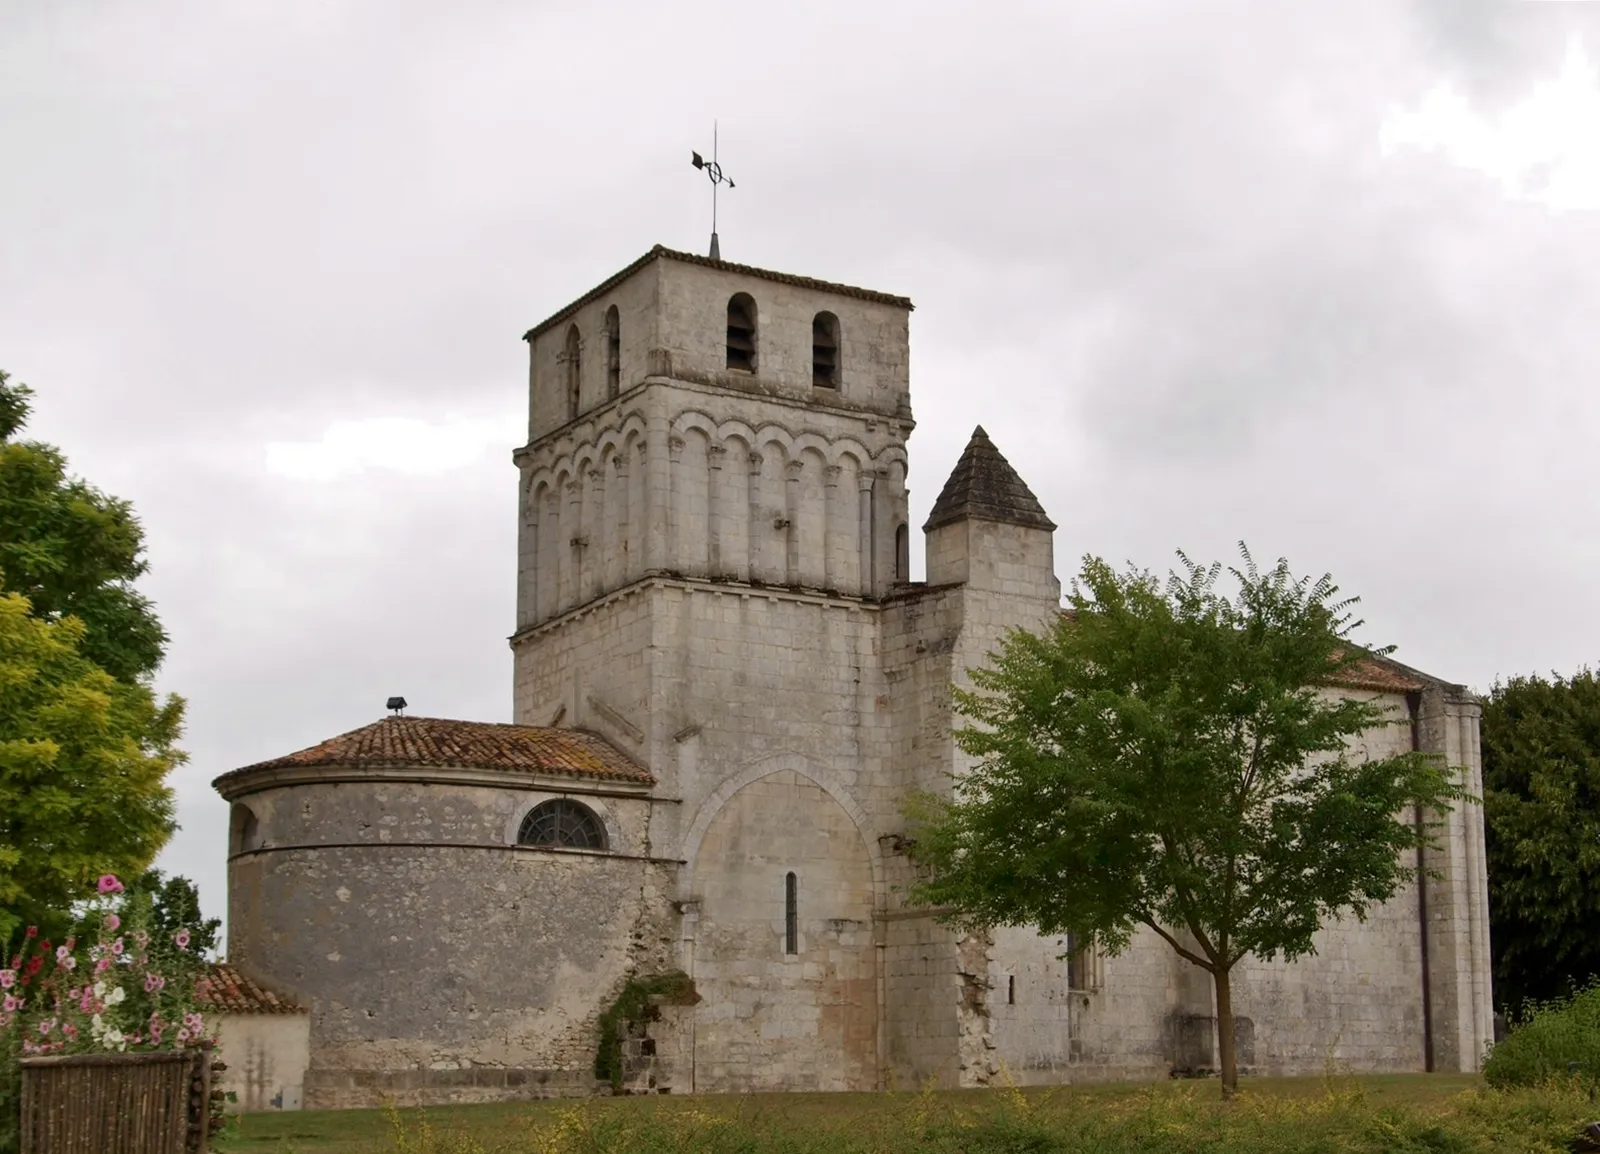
985	487
440	742
661	252
227	991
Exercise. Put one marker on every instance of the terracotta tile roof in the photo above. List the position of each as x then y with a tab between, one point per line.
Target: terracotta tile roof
1372	672
1383	675
661	252
434	741
230	992
983	485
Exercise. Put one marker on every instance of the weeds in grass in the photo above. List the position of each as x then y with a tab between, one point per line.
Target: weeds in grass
1343	1119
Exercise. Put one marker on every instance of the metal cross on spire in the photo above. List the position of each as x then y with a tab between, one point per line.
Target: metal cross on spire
713	170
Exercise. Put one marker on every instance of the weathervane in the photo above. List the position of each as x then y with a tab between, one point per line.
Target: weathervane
713	170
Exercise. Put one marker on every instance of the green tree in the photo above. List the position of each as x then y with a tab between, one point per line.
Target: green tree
1541	796
1169	758
175	905
72	550
83	761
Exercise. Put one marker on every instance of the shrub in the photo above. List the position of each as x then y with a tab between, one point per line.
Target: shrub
1548	1040
115	983
674	987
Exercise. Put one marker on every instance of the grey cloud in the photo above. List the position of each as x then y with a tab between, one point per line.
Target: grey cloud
1154	250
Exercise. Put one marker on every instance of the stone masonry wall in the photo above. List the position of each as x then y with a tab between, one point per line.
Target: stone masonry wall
773	1019
1355	1004
441	963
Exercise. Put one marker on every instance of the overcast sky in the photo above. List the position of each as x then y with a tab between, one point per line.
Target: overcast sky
1324	277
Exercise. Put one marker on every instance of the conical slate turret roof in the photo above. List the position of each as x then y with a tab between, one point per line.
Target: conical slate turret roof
984	486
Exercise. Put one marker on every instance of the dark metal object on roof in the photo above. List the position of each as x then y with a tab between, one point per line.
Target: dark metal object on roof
714	172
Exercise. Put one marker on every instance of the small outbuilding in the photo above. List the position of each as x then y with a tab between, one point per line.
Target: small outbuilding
264	1040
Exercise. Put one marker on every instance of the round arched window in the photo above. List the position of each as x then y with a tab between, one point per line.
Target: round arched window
564	823
245	830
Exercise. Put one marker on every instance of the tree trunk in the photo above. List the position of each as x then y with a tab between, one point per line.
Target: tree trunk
1230	1069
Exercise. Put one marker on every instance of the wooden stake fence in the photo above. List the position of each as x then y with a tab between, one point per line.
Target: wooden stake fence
145	1103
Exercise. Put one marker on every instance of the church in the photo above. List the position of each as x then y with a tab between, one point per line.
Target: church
725	684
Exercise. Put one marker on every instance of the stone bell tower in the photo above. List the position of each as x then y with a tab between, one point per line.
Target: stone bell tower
713	516
700	432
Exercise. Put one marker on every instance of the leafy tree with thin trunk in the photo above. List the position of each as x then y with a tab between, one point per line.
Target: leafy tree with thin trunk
83	764
1541	799
1167	757
85	746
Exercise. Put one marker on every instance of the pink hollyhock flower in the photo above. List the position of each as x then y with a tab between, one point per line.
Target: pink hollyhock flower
183	1036
47	1025
153	982
12	1003
62	954
70	1030
108	884
69	963
33	931
182	938
113	922
102	965
195	1023
142	938
116	947
7	979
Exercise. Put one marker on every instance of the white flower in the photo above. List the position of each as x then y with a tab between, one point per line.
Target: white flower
116	996
99	989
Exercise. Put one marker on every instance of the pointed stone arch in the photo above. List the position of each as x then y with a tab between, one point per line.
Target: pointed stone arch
781	942
755	771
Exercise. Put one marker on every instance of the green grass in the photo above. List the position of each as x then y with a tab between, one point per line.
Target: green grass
1438	1114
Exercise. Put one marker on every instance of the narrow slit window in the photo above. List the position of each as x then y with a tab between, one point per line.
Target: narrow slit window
902	553
613	353
1011	990
791	914
742	333
825	351
1077	963
574	358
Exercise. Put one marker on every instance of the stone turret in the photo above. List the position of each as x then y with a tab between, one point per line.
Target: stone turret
987	530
